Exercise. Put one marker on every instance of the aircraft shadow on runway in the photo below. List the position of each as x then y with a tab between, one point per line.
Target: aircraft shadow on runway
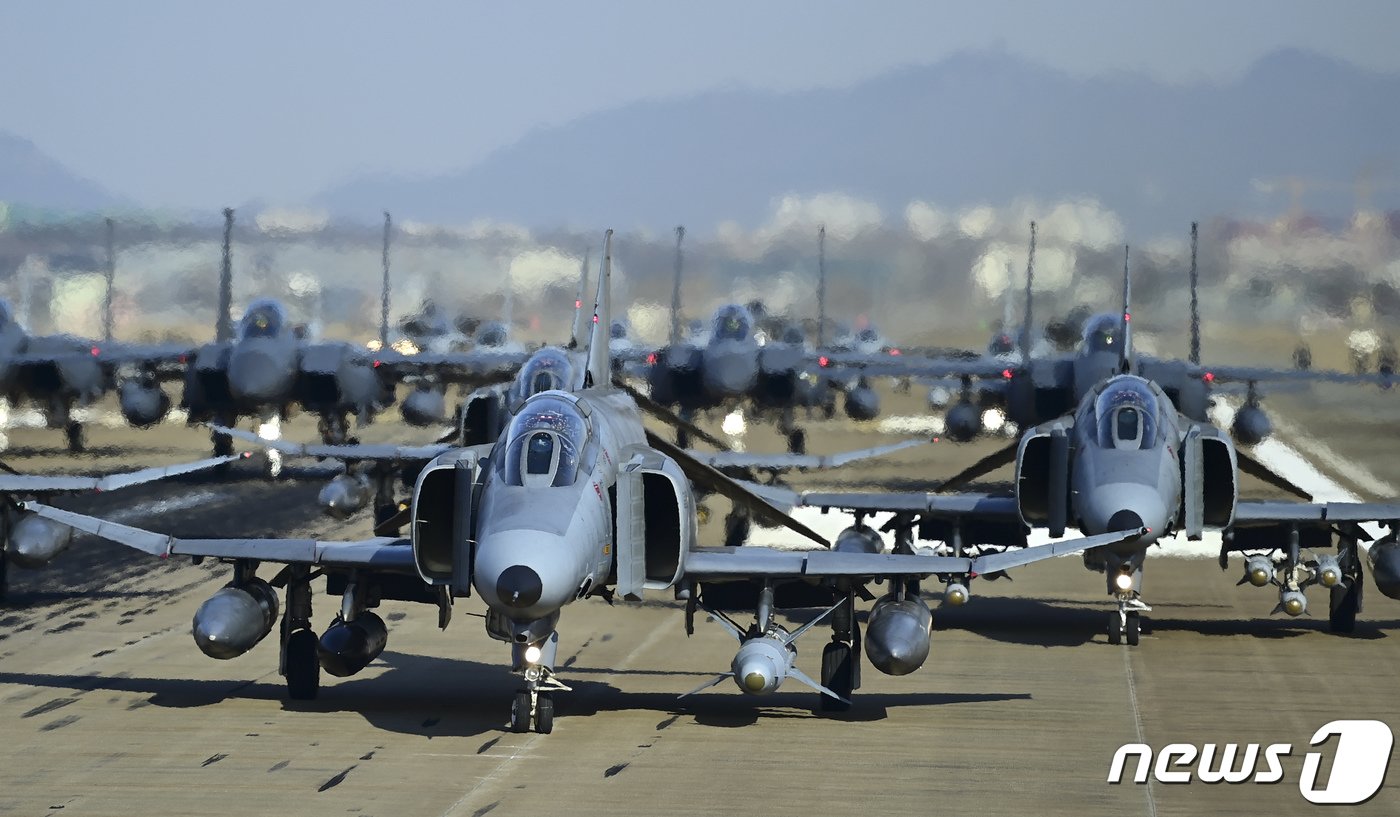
445	697
1070	623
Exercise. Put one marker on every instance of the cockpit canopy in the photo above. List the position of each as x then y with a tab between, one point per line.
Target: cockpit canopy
264	319
1103	333
1127	414
868	335
732	322
545	443
548	369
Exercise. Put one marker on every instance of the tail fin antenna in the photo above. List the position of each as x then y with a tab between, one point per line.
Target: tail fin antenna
599	362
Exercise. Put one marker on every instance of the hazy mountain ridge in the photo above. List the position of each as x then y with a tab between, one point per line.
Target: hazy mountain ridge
975	128
31	178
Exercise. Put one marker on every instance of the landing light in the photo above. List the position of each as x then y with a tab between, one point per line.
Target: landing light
1123	581
533	654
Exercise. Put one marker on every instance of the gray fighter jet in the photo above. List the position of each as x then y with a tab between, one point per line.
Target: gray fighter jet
266	367
58	372
1128	459
729	366
1035	389
576	499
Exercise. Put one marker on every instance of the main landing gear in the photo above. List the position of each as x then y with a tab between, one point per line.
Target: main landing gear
841	658
300	664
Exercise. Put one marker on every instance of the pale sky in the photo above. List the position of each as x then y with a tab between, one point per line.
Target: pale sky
179	104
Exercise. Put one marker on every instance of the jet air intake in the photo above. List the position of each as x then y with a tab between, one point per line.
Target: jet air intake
235	619
897	635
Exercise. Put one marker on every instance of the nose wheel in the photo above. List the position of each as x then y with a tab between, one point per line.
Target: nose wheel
532	705
1125	624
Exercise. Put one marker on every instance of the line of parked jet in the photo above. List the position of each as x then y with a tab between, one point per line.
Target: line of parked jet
552	490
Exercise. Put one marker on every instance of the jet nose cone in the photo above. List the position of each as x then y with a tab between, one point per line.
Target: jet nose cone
257	377
519	586
1124	520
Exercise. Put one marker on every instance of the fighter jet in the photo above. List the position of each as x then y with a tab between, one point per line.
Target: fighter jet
58	372
575	500
31	541
1127	458
727	366
1038	388
265	367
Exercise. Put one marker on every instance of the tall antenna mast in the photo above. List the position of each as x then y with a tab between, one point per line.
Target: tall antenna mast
384	291
1195	357
821	286
1030	281
676	290
223	328
111	275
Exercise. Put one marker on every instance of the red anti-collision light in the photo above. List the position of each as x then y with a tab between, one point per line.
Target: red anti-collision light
823	361
1006	373
96	351
651	359
896	352
1209	377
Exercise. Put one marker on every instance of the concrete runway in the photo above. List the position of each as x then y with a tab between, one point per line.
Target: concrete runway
111	710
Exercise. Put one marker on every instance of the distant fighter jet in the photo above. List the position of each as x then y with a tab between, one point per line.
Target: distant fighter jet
1128	459
1035	389
576	499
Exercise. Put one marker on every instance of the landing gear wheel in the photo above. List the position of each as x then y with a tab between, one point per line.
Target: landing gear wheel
838	675
74	431
1345	601
303	667
1115	629
1132	632
520	712
544	713
797	441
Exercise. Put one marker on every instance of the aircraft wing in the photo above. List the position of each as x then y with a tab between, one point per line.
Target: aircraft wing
1260	374
740	563
1249	514
967	505
40	484
381	553
917	366
477	367
357	451
796	462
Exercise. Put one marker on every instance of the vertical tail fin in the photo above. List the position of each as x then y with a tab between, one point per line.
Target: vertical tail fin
223	321
676	291
384	290
599	362
111	276
821	286
580	316
1195	356
1025	339
1125	352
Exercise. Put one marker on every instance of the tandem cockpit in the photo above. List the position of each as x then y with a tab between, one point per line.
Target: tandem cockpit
1102	333
548	443
264	319
1127	413
732	322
